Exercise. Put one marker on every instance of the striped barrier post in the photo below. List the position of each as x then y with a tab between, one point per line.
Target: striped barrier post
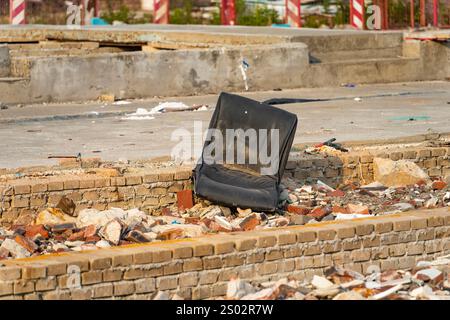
294	13
228	12
161	11
17	12
357	14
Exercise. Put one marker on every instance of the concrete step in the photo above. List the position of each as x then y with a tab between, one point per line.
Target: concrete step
352	55
373	70
14	89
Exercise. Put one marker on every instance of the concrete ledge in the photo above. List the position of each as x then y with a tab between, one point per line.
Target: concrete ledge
180	72
5	61
199	268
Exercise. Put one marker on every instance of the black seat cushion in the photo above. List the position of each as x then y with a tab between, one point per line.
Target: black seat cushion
245	185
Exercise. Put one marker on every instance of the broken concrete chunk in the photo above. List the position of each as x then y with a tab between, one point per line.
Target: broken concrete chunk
328	292
265	294
112	231
223	223
238	288
398	173
52	216
244	212
16	250
321	282
103	244
349	295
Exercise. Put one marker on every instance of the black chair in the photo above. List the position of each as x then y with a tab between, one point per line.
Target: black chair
247	184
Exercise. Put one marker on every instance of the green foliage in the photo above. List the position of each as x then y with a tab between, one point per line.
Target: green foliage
183	15
315	21
343	13
124	15
257	16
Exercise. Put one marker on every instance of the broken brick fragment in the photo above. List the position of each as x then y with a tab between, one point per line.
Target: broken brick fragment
34	230
77	236
438	185
357	208
339	209
185	199
63	227
192	220
26	243
298	209
166	212
90	231
93	238
171	234
319	213
336	193
249	223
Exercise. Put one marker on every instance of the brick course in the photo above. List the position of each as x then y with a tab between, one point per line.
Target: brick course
202	270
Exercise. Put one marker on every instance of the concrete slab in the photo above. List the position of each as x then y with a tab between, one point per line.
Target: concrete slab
28	134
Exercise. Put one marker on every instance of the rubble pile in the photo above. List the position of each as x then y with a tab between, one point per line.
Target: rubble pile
60	229
56	231
428	280
320	202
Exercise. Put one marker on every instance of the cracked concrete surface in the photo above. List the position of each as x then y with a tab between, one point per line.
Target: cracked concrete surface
28	134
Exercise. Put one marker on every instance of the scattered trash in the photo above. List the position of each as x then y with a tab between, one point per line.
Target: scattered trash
144	114
244	67
140	114
121	103
328	147
331	143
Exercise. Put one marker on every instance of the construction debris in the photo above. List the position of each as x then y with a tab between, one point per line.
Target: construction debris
61	229
424	282
398	173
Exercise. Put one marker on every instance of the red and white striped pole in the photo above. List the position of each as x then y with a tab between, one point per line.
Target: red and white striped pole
17	12
294	13
435	13
228	12
357	14
161	11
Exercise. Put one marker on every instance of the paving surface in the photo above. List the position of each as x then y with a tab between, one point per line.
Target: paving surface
28	134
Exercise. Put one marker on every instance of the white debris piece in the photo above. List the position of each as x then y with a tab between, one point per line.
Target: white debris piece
16	250
238	288
321	282
112	231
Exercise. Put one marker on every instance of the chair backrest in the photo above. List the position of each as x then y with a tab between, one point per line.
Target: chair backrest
238	119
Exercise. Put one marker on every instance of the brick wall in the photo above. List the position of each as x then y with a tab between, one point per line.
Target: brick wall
199	268
21	199
358	166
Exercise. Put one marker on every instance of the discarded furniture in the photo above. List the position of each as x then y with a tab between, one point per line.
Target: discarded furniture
243	170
